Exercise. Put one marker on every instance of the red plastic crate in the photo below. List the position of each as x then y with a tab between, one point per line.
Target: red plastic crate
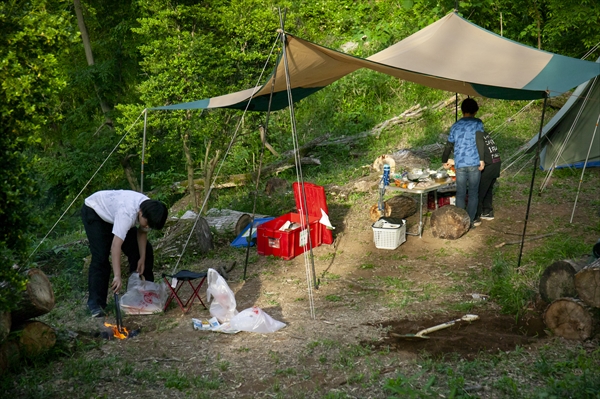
286	244
315	201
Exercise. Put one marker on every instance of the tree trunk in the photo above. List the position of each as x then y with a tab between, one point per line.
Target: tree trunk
5	323
9	354
38	298
190	170
587	284
89	56
569	318
35	338
209	169
131	178
401	206
558	280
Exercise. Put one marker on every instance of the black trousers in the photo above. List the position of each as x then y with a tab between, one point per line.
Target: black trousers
100	237
486	188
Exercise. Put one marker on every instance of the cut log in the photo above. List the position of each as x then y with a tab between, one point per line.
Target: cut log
449	222
401	206
9	354
5	323
241	224
558	280
38	298
35	337
204	235
569	318
587	284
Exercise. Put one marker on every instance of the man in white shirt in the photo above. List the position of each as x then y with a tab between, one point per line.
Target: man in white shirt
118	221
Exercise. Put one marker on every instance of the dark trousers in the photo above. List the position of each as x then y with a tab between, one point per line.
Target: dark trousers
100	237
486	188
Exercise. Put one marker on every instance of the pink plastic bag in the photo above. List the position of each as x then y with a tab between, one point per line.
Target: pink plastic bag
255	320
143	297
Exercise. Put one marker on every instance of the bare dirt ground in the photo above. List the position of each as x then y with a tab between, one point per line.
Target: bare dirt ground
366	297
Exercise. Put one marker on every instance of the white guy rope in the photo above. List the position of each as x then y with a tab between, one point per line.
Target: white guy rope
86	184
235	134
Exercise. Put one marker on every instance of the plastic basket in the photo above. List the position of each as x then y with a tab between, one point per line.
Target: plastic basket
388	235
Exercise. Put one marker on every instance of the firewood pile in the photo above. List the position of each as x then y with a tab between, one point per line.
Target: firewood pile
20	335
572	290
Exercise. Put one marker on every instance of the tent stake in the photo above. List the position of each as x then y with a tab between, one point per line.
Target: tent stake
535	165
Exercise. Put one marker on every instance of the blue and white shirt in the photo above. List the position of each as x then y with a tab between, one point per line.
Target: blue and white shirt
462	134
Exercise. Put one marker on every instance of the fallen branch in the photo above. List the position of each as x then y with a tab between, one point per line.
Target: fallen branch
526	239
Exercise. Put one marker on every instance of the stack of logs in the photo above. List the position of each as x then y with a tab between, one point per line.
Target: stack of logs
573	291
19	335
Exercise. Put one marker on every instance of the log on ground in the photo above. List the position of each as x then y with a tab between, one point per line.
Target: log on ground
587	284
9	354
401	206
558	280
569	318
35	338
38	298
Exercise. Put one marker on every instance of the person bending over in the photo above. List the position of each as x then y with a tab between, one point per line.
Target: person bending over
467	159
118	221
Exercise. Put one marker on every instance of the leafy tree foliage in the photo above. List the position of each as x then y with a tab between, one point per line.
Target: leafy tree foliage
31	34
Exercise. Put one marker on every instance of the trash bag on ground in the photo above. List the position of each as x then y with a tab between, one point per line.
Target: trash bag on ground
223	306
143	297
255	320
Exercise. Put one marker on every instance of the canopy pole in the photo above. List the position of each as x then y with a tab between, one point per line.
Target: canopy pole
304	219
535	165
143	151
587	157
455	107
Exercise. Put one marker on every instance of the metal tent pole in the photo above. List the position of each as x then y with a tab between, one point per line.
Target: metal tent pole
535	165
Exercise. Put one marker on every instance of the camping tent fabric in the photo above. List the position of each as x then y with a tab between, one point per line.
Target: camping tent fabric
451	54
577	145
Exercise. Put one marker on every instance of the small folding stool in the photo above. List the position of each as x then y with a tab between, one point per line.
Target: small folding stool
195	280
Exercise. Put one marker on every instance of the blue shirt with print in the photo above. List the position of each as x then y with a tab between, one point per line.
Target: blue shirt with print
462	134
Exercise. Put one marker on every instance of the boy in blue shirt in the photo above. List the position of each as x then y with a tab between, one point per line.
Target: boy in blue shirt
468	160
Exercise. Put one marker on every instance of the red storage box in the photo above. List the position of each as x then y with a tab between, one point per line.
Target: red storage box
288	244
315	201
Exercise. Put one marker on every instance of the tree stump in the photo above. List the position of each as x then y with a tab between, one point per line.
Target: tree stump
587	284
558	280
449	222
35	338
5	323
38	298
276	185
401	206
569	318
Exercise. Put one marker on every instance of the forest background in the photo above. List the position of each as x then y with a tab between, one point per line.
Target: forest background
76	75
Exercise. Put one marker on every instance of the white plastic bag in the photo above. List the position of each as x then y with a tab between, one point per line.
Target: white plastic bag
223	306
255	320
143	297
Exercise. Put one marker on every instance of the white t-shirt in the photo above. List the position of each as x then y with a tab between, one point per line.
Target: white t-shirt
117	207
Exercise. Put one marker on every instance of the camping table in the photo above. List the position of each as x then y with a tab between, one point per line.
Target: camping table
434	187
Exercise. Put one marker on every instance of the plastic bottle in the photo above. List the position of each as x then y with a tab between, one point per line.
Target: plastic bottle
386	175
